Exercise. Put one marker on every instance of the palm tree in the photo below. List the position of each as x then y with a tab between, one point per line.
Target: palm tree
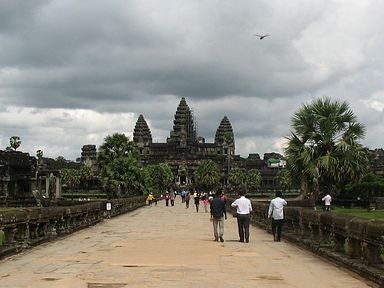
86	175
237	178
158	177
115	146
123	177
323	150
253	179
284	179
70	178
15	142
207	175
39	154
119	163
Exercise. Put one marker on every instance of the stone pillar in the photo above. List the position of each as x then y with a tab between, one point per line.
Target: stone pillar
58	188
47	187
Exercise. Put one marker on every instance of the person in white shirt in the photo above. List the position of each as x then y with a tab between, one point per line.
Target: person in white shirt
276	212
327	202
243	212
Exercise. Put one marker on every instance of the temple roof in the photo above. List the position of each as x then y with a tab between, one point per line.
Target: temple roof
142	133
225	127
183	128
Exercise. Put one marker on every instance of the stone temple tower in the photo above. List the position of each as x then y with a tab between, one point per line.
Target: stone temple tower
142	136
183	126
224	137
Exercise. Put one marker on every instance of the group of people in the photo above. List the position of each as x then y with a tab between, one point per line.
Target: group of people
217	203
243	208
243	214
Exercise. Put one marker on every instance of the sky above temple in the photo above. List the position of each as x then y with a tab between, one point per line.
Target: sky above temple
73	72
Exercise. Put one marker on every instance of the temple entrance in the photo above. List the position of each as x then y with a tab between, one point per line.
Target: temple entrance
183	179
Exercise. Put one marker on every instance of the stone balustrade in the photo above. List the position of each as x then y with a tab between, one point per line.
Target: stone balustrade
353	242
22	228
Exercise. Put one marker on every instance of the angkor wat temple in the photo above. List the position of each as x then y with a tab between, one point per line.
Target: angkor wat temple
184	149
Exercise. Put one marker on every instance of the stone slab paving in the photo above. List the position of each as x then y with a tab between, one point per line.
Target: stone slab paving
170	247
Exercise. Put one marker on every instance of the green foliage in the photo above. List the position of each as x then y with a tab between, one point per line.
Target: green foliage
116	146
207	175
323	151
39	154
15	142
370	185
119	165
157	178
70	178
284	179
59	163
253	178
86	174
237	178
123	177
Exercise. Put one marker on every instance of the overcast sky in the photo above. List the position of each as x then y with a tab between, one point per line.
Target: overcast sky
73	72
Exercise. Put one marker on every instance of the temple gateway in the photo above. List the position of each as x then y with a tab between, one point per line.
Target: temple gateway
184	150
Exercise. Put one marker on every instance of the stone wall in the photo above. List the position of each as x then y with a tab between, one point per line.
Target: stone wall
353	242
22	228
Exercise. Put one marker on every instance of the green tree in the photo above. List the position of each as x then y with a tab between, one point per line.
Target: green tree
237	179
39	154
371	185
86	175
253	179
70	179
207	175
284	179
15	142
119	166
123	177
158	178
116	146
60	163
323	150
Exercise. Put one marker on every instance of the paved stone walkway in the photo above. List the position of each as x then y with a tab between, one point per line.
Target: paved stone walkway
169	247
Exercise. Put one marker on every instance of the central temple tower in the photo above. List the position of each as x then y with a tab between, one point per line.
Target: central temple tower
183	127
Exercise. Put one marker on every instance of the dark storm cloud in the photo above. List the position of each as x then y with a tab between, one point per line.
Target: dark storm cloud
67	50
74	65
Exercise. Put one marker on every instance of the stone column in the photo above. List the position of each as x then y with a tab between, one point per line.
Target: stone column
58	188
47	187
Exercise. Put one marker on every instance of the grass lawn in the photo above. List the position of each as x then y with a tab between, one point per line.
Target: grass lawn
360	212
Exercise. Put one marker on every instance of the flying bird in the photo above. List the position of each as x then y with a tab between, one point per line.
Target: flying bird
262	36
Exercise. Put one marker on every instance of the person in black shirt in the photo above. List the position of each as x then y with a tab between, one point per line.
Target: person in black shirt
218	214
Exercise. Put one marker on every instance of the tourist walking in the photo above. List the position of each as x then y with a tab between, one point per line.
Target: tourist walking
276	212
218	214
172	198
150	198
183	193
166	199
243	213
327	202
205	202
222	197
187	199
196	199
